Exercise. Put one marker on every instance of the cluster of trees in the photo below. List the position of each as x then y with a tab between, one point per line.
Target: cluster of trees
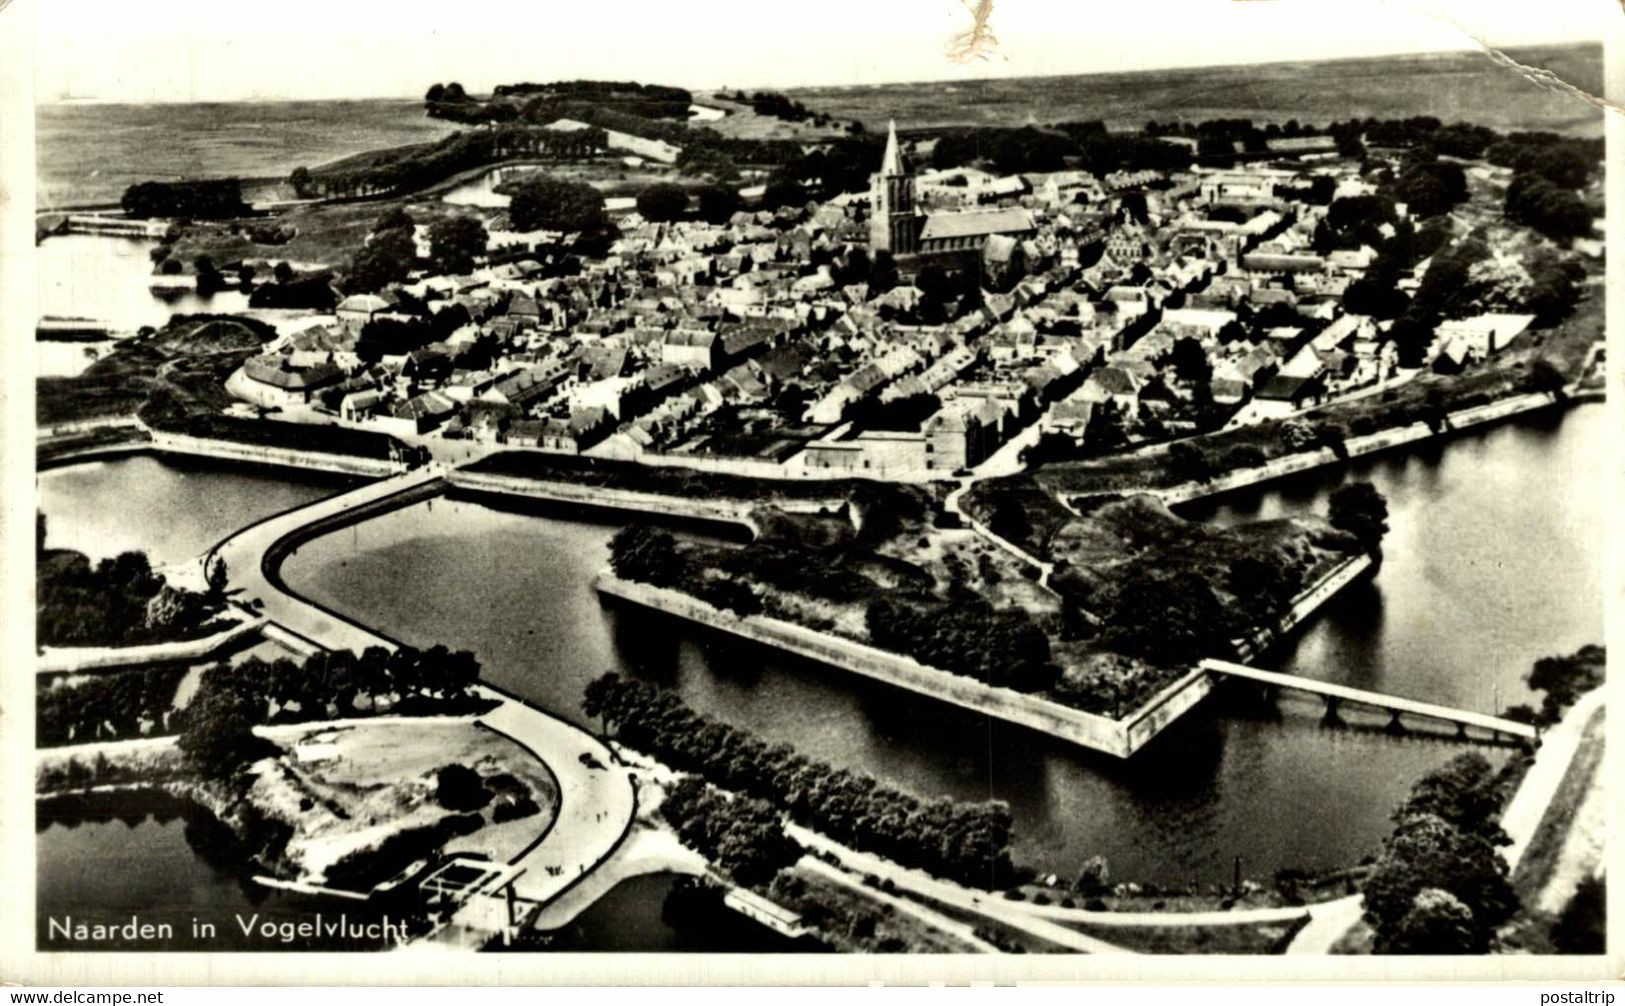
204	199
1561	680
1564	161
966	635
455	243
120	705
383	337
742	835
663	202
780	106
217	726
1429	187
1537	203
1361	510
116	602
650	555
1440	885
1226	136
1029	148
964	842
311	292
556	204
388	256
1167	616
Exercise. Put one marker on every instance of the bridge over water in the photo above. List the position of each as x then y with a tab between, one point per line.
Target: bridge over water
1336	696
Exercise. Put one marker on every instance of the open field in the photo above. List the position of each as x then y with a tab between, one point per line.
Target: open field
1452	86
89	153
380	782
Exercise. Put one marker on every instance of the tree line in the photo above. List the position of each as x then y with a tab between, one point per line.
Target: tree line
202	199
462	151
216	728
964	842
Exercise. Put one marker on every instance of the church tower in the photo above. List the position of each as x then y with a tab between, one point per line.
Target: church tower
894	226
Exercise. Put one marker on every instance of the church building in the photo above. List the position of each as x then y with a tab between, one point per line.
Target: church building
898	226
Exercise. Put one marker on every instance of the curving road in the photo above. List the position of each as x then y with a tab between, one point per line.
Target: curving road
597	797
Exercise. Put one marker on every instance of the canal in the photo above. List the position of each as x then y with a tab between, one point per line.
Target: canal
1490	564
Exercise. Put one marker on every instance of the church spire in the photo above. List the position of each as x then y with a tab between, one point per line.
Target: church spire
892	163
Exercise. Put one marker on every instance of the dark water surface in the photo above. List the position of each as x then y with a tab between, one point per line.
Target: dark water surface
1493	561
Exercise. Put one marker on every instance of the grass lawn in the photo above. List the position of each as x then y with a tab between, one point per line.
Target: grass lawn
1556	852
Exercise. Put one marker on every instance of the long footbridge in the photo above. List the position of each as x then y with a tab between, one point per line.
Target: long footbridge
1336	696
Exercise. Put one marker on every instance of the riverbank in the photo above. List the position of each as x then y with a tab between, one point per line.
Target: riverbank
598	499
1358	446
55	660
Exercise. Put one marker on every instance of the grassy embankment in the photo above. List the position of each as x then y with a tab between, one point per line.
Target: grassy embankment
1566	846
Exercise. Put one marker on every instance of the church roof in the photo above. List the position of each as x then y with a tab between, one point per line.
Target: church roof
971	223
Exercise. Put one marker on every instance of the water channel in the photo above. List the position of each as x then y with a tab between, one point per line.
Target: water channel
1491	564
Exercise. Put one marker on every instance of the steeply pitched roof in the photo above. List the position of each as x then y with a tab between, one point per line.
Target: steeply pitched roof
892	162
972	223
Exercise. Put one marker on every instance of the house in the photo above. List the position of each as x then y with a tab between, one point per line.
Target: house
271	382
689	347
421	414
356	310
1485	334
1113	383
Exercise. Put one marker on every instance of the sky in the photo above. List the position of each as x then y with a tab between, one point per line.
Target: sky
205	50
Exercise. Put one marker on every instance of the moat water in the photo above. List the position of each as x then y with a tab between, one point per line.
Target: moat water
1492	562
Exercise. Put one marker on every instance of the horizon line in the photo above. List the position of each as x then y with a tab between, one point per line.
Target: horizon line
1481	49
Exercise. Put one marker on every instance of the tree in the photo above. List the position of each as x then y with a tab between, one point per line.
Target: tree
301	182
557	205
219	735
1438	923
454	244
171	608
397	219
217	576
1412	335
387	258
718	203
1581	929
1360	509
1190	361
641	552
459	788
783	191
282	272
662	202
